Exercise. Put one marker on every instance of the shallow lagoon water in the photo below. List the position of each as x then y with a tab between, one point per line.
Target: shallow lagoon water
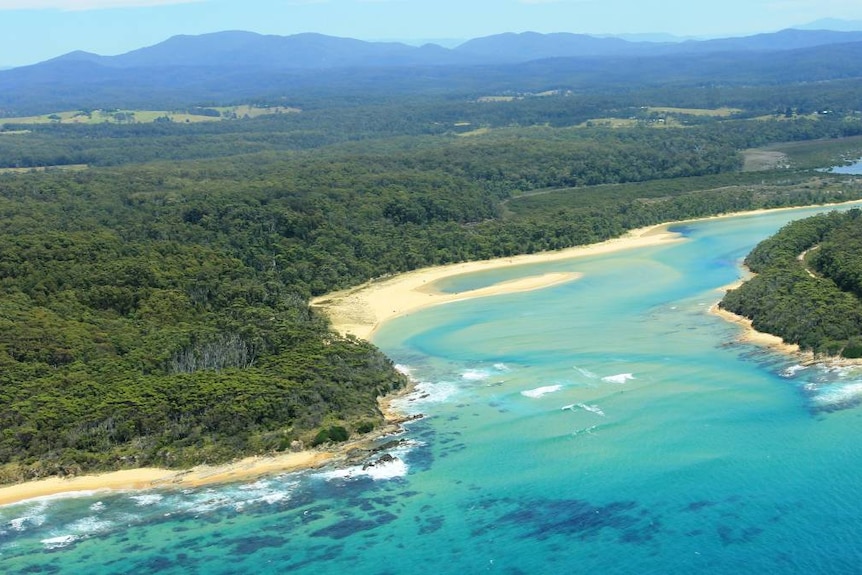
854	168
606	424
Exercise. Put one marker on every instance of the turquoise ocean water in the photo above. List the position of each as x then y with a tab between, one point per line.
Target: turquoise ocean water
606	425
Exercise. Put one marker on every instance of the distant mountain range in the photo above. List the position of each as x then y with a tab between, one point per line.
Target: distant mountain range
317	51
228	65
832	24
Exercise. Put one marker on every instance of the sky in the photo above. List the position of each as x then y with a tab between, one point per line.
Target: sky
32	31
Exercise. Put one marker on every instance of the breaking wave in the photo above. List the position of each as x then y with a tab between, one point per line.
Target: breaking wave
619	378
586	373
540	391
793	370
836	396
58	542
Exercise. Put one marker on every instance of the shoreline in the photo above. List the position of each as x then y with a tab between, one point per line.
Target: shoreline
146	478
245	469
360	311
748	334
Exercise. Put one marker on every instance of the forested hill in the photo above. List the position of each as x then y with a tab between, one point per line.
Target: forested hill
155	278
303	70
808	285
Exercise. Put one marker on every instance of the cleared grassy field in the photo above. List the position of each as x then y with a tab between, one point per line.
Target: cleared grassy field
667	122
659	117
717	112
758	160
498	98
820	153
210	114
809	154
66	168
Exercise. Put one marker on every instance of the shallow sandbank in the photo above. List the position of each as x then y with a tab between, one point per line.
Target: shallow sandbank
360	311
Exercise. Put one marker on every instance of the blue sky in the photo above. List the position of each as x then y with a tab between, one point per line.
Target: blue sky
36	30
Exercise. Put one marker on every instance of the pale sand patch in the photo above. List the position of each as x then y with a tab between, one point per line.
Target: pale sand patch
148	478
757	160
750	335
360	311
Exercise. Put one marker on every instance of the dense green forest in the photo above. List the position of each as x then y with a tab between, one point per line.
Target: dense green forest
808	285
398	125
154	306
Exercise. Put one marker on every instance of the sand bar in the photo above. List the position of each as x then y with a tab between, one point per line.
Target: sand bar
360	311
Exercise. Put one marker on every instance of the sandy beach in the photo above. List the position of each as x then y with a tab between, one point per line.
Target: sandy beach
148	478
358	311
361	310
748	334
246	469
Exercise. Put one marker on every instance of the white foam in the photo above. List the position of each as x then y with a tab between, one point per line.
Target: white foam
90	525
21	523
586	373
211	500
269	497
839	394
265	492
388	470
380	471
570	407
793	370
841	371
58	542
43	500
97	506
35	517
592	408
256	486
475	374
540	391
273	497
403	369
586	430
423	394
619	378
147	499
502	367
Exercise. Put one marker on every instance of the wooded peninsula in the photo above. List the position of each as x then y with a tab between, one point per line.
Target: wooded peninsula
808	285
155	278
